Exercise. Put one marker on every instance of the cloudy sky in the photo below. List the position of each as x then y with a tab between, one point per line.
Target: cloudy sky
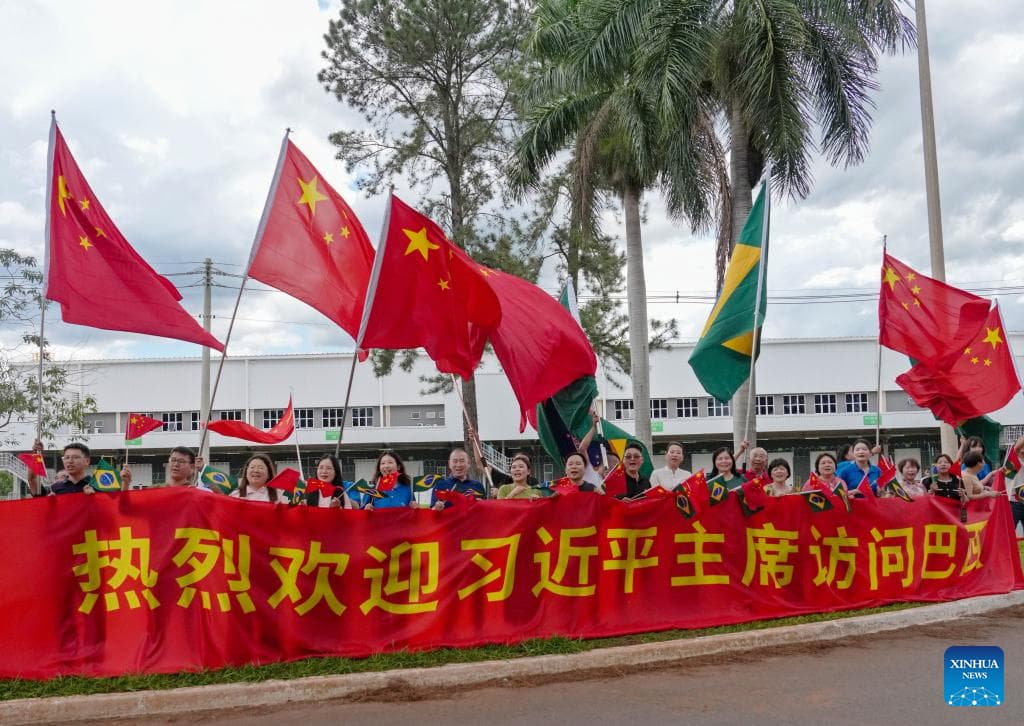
175	112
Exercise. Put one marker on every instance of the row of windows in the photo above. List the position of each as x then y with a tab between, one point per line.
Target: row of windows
305	418
792	404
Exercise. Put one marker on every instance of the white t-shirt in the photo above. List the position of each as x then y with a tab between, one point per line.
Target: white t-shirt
668	479
257	495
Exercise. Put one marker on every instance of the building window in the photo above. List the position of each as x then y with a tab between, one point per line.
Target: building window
271	416
687	408
824	403
362	416
718	408
172	421
766	405
432	414
623	409
195	420
856	403
332	417
304	418
232	415
414	416
659	408
793	404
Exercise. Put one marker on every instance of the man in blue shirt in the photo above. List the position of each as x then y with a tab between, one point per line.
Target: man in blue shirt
457	480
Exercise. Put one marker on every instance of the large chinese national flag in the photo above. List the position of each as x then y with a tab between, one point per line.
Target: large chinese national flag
540	346
423	294
91	270
982	379
924	318
311	245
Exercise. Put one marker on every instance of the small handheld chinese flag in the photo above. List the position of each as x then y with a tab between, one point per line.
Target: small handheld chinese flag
615	482
314	486
139	425
565	485
387	481
241	430
285	480
865	488
888	471
34	462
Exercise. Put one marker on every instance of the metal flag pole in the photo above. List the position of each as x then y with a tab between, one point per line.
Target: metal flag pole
46	276
475	438
295	432
371	293
878	368
241	288
761	272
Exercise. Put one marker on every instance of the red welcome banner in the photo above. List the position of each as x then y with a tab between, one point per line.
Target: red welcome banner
176	579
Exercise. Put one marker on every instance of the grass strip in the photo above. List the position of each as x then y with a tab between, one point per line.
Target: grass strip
79	685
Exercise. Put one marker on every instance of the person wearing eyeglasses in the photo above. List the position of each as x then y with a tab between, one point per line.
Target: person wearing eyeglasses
181	469
632	460
76	459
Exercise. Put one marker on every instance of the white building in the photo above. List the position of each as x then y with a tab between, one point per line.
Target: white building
813	394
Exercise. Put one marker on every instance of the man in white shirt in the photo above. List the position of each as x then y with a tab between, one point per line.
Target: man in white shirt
671	475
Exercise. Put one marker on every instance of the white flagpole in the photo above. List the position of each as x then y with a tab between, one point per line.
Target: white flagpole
761	273
371	294
878	367
46	274
260	229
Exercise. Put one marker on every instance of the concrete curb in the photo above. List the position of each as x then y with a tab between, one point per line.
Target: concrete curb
195	700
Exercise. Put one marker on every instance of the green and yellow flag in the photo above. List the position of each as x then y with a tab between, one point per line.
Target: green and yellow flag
722	357
105	477
218	480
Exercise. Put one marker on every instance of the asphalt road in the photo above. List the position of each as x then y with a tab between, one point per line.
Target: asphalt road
894	678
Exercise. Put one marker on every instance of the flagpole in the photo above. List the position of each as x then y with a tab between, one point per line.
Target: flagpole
260	228
878	368
371	294
46	273
477	449
762	268
295	432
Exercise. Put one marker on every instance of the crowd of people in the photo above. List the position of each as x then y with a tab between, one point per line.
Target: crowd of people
967	478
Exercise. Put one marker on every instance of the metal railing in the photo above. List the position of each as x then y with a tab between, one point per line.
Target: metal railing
495	458
15	466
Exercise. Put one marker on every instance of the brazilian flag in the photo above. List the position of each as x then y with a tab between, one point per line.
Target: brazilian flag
721	359
425	483
896	488
105	477
217	480
841	492
717	490
817	501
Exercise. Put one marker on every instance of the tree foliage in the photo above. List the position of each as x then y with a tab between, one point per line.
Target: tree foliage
19	381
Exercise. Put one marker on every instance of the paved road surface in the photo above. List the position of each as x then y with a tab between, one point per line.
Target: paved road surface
883	679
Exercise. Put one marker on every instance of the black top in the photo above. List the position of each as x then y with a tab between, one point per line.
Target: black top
950	489
635	487
71	487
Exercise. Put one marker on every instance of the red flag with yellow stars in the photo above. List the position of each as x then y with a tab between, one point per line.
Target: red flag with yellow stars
923	318
91	270
310	244
981	380
34	462
433	298
138	425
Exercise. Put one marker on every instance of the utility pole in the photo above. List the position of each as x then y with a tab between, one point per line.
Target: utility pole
204	394
947	436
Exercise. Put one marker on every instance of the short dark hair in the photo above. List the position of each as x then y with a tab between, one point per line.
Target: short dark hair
972	458
675	443
186	452
636	445
780	462
724	450
947	457
842	451
576	453
817	462
80	446
908	460
973	441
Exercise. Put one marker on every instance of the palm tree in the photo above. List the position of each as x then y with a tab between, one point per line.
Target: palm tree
773	71
619	145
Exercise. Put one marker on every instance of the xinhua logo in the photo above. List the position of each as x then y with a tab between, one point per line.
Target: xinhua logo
974	675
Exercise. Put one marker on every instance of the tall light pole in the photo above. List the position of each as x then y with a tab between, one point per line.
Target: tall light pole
204	394
931	180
